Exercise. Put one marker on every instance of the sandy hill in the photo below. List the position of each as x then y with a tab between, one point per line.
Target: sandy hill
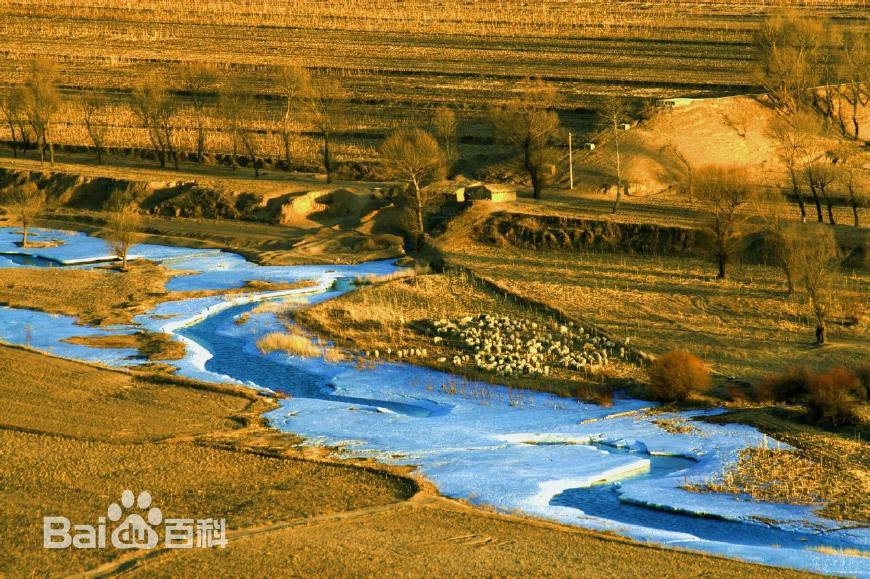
728	130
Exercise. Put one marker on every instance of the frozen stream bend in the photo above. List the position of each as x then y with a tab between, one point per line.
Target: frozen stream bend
536	453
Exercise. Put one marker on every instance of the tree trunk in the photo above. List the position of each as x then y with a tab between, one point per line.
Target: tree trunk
418	202
13	142
286	137
830	208
619	170
200	143
327	162
723	258
536	184
41	143
854	201
796	191
618	198
821	332
821	323
818	202
24	229
124	259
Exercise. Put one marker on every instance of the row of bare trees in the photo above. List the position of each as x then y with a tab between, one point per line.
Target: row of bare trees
31	109
808	254
816	76
317	102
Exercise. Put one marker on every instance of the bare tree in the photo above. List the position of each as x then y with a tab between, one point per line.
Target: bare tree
445	127
25	203
123	228
721	192
787	46
794	136
820	176
97	128
413	156
198	81
155	108
612	116
855	72
291	82
322	104
816	259
41	101
528	124
847	170
12	107
786	240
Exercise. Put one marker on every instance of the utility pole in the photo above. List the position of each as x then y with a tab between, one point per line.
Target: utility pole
570	160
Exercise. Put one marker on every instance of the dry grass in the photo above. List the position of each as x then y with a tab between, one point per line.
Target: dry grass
446	540
397	315
293	343
73	399
830	469
96	296
744	326
74	436
153	346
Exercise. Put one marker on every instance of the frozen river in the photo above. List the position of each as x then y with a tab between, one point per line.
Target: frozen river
581	464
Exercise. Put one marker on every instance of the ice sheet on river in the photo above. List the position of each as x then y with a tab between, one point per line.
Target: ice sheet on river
47	332
76	248
510	449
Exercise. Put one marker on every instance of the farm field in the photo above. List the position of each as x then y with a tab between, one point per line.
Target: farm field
397	62
745	326
328	271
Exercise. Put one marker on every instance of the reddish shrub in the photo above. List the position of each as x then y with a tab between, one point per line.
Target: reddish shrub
790	386
834	396
676	375
862	372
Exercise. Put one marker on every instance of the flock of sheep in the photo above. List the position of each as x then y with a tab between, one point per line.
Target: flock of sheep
510	347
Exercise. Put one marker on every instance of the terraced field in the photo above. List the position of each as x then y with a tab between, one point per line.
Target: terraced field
398	59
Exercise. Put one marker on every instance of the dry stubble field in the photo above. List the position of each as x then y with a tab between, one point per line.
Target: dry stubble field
397	60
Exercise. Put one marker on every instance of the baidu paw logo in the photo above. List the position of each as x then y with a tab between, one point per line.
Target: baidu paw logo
134	524
135	531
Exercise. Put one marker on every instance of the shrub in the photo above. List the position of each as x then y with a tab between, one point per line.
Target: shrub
834	396
676	375
862	372
790	386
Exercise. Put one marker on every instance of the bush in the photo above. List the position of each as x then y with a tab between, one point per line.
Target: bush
834	396
790	386
862	372
677	375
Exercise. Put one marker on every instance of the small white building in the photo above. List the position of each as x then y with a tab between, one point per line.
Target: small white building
485	192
